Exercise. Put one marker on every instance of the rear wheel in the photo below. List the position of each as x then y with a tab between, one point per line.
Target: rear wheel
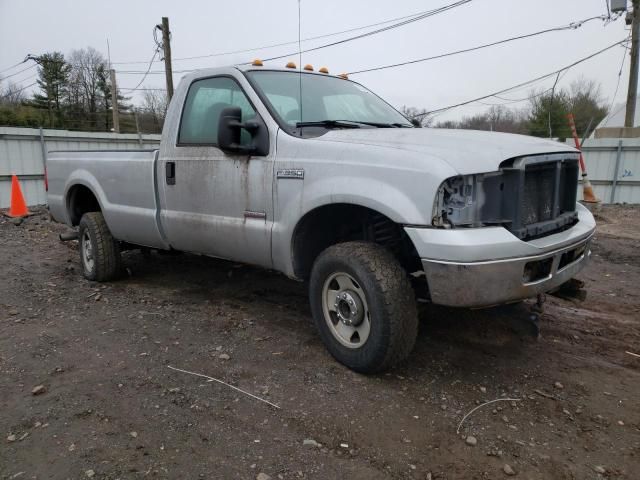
99	251
363	306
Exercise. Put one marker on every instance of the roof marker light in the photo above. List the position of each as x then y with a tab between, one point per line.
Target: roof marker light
323	70
290	65
257	63
308	67
344	75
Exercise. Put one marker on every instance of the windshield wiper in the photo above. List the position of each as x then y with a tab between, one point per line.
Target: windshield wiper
381	125
349	124
329	124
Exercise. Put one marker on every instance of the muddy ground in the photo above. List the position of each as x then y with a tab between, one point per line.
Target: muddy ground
111	407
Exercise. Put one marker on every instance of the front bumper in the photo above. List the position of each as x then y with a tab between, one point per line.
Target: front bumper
515	269
482	284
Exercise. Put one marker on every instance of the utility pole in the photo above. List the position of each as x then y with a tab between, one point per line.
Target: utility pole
632	92
166	45
114	102
135	116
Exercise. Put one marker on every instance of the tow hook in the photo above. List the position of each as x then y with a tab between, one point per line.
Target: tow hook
535	312
572	290
65	237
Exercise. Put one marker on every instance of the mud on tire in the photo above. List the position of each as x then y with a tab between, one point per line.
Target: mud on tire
350	270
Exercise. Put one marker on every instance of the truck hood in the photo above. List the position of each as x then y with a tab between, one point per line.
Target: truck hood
467	151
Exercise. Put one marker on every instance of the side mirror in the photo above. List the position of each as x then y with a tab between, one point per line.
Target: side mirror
229	129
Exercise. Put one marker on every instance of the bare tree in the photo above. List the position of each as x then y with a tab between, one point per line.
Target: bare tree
87	66
153	110
586	104
497	118
422	115
11	94
155	102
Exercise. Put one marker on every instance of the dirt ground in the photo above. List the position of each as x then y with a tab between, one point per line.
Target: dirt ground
111	407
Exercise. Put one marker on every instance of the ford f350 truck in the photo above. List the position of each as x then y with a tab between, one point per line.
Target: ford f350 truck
315	176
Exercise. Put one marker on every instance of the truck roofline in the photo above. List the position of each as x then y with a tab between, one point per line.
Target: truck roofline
229	70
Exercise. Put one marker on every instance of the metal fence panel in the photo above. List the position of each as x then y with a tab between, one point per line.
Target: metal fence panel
21	153
613	165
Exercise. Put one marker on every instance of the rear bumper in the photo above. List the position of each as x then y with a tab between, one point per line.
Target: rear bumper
482	284
489	266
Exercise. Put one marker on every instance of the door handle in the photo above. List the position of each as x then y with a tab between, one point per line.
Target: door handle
170	172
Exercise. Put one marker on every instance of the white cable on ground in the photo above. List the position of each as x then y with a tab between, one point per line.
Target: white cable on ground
482	405
211	379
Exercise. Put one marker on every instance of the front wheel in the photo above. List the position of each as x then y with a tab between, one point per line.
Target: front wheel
99	251
363	306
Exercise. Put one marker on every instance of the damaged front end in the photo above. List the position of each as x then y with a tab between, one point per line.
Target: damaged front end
530	196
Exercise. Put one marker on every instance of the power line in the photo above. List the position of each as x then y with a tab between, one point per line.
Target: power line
152	72
529	82
515	100
571	26
18	91
264	47
155	53
529	97
509	101
427	14
422	16
13	66
20	71
615	93
144	89
19	82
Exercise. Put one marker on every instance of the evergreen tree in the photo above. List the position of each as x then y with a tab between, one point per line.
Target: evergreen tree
548	117
587	105
53	73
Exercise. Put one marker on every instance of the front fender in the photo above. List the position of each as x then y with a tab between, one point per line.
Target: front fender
377	195
398	184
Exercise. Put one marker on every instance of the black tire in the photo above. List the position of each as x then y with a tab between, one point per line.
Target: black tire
389	298
105	249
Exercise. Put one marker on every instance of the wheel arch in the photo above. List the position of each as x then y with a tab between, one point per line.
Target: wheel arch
332	223
80	199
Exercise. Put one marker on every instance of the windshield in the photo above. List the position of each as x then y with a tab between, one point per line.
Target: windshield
324	98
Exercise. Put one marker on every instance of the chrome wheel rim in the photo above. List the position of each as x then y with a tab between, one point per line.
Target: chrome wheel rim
345	310
87	252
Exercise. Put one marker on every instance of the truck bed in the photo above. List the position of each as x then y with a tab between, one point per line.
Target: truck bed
123	181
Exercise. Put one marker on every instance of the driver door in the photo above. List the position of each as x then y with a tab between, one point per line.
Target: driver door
212	202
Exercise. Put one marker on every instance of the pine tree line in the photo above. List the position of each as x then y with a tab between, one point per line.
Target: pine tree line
74	93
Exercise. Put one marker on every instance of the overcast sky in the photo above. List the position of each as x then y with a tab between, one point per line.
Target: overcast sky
205	27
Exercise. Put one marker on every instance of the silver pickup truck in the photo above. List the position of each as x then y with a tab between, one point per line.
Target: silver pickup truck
315	176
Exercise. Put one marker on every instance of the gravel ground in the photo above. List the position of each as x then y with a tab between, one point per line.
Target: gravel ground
85	388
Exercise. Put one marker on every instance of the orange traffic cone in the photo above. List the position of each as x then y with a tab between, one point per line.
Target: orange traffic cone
588	194
18	205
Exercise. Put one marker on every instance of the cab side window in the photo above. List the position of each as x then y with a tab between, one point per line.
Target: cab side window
206	100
